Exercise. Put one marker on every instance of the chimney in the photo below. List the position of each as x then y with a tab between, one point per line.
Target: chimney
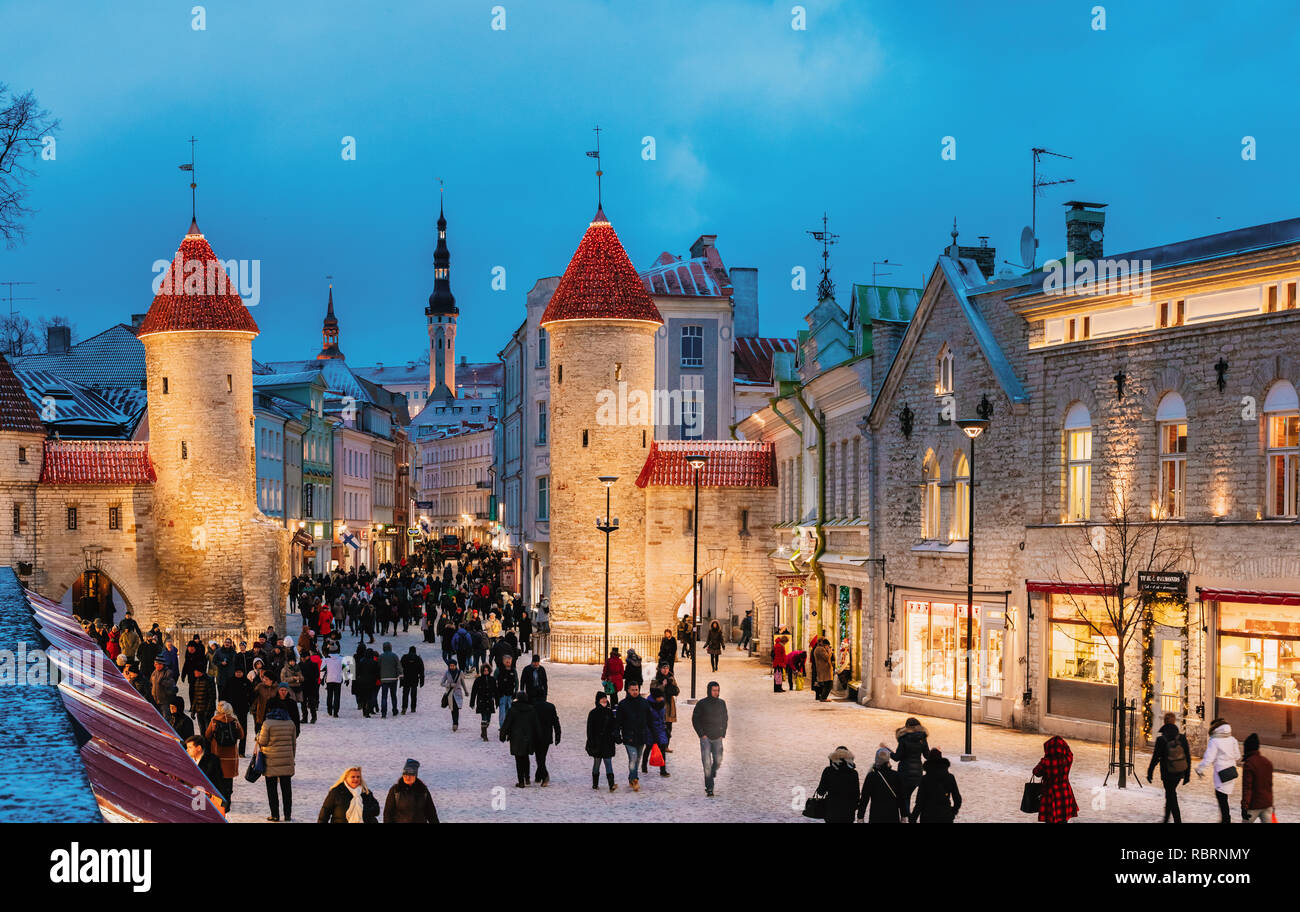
744	298
136	320
58	339
702	243
1085	226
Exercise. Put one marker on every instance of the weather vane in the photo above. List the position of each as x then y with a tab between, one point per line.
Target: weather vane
596	155
825	288
193	185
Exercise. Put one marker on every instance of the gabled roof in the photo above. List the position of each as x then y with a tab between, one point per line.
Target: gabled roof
892	303
196	294
600	282
752	356
731	464
296	378
112	358
961	276
16	411
73	406
97	462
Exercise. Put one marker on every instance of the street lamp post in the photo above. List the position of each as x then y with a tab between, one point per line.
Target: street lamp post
608	526
696	461
972	427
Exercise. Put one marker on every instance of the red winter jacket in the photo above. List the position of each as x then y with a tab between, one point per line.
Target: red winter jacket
613	671
325	621
1058	804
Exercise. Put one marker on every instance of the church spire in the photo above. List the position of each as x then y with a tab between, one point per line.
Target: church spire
441	301
330	332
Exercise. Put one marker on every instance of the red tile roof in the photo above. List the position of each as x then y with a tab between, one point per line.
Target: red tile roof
753	357
93	462
16	411
731	464
600	282
196	294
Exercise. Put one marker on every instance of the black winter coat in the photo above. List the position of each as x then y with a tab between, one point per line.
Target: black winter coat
483	695
839	783
412	671
913	750
339	799
203	695
633	718
410	804
937	798
506	681
548	720
881	791
533	682
602	732
522	729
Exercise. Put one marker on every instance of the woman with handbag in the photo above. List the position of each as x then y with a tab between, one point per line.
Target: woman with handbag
349	800
838	788
455	691
880	792
1056	802
1221	755
277	748
611	676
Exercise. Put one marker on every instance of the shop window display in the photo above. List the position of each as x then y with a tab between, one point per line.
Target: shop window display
936	645
1083	641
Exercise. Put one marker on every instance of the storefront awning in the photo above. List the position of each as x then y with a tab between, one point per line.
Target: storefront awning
1069	588
1249	596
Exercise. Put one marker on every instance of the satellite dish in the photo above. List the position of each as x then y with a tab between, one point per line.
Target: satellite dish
1028	247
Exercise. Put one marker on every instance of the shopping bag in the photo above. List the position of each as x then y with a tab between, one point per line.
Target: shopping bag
1032	799
815	807
798	682
656	756
608	687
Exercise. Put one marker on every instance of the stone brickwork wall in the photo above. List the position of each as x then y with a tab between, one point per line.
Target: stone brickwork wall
594	357
743	558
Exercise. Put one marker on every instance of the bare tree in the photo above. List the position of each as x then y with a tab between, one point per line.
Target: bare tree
17	335
1108	555
24	127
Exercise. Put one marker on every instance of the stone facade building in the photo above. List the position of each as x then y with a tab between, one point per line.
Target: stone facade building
172	525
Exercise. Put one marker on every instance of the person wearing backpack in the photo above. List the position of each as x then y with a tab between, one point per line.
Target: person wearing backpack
224	733
1175	758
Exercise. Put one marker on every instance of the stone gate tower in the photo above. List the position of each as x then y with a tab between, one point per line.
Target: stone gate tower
602	324
219	559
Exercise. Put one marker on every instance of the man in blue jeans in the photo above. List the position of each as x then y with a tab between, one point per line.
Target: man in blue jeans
632	718
710	723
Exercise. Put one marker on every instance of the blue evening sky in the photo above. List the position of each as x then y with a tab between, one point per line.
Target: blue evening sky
758	128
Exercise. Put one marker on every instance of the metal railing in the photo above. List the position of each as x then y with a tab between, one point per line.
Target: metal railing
588	648
182	635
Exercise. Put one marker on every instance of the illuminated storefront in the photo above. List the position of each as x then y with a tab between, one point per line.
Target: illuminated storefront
935	645
790	606
1257	668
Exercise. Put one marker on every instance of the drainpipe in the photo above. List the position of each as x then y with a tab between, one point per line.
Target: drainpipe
773	400
818	533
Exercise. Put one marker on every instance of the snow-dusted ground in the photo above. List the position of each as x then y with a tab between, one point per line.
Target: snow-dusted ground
776	748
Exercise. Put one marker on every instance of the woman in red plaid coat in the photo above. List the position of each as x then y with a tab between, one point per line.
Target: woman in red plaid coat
1058	804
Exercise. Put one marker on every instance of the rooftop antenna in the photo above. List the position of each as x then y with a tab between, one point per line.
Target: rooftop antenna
13	340
825	288
596	155
885	262
1035	191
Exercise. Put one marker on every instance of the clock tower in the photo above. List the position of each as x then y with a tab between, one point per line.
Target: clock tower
441	317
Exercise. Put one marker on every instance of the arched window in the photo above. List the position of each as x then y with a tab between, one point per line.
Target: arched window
1282	417
943	372
961	498
1078	451
930	498
1171	415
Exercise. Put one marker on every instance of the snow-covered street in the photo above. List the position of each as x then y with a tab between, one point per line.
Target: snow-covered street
776	748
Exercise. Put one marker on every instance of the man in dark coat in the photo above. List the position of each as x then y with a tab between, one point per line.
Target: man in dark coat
710	722
176	718
412	677
633	718
1174	755
937	797
881	791
409	800
602	735
913	750
839	786
549	722
533	679
366	681
203	697
522	729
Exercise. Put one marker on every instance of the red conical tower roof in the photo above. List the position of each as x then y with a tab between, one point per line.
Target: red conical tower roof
600	282
196	294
